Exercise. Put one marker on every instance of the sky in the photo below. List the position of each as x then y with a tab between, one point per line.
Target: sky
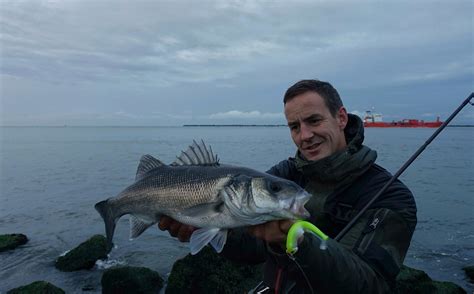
160	63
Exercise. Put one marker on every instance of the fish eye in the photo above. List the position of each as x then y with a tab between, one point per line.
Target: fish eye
275	187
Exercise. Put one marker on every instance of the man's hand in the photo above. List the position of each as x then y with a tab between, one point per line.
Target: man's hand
175	228
273	231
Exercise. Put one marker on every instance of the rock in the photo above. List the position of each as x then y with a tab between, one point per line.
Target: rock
469	270
448	288
411	280
207	272
11	241
37	287
127	279
83	256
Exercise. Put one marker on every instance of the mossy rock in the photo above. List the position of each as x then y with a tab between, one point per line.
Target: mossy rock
11	241
415	281
37	287
207	272
469	270
448	288
127	279
83	256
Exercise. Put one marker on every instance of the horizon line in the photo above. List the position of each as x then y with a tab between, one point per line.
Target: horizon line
168	126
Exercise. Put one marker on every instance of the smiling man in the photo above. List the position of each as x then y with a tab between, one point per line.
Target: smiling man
340	172
317	130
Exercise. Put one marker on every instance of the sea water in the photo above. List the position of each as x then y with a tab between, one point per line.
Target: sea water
51	177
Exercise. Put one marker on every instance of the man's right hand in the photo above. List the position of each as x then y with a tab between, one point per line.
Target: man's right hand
176	229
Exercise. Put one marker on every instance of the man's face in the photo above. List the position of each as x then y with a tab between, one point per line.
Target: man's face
316	133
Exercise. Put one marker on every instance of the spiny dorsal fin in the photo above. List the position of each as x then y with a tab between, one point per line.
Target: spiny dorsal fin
197	154
147	163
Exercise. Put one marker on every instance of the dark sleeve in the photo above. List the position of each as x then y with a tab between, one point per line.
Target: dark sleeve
337	269
243	248
368	258
286	169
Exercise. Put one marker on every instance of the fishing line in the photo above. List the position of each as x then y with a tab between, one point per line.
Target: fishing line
403	168
294	233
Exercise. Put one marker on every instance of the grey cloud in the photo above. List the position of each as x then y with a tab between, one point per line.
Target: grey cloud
223	54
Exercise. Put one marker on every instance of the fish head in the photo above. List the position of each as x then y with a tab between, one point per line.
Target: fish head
265	198
279	198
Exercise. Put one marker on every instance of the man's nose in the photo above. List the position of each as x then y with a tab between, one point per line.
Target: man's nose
305	132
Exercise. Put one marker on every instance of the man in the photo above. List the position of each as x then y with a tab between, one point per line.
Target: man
332	164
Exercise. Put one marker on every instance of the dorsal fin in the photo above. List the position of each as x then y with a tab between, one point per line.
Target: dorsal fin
147	163
197	154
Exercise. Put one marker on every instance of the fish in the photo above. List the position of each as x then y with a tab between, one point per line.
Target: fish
199	191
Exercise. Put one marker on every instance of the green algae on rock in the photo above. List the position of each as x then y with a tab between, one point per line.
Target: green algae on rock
128	279
208	272
11	241
415	281
37	287
83	256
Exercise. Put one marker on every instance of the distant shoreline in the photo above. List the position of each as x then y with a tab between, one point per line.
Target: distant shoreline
179	126
235	125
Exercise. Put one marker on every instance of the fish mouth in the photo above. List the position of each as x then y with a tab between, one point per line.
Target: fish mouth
297	206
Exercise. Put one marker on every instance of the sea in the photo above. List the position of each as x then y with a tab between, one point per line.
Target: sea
51	177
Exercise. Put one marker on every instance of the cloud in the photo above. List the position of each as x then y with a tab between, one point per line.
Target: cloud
233	52
236	114
211	56
219	40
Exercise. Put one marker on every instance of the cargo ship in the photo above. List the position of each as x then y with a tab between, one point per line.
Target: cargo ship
374	120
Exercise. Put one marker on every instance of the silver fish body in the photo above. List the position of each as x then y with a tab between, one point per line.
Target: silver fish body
198	191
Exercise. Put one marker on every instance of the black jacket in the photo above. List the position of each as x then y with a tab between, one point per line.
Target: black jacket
366	260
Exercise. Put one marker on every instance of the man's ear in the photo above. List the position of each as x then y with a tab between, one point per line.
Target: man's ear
342	117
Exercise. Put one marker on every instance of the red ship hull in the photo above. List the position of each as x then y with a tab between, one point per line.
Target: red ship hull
407	123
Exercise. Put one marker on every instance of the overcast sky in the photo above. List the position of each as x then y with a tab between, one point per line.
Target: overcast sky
219	62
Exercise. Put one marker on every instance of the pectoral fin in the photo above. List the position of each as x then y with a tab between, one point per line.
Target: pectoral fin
204	236
219	241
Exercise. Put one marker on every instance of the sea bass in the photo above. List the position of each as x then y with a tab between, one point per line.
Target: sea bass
198	191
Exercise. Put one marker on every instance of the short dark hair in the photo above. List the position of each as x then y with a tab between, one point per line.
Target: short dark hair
324	89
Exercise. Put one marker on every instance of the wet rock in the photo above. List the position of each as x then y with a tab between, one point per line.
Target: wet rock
11	241
469	270
37	287
207	272
127	279
84	256
411	280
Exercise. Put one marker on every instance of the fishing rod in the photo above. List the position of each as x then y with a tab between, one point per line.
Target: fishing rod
403	168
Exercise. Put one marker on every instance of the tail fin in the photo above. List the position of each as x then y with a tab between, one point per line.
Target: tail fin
103	207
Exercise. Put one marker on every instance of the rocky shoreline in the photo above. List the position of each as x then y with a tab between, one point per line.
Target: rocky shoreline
206	272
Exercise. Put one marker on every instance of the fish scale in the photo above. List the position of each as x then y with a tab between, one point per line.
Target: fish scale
170	185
